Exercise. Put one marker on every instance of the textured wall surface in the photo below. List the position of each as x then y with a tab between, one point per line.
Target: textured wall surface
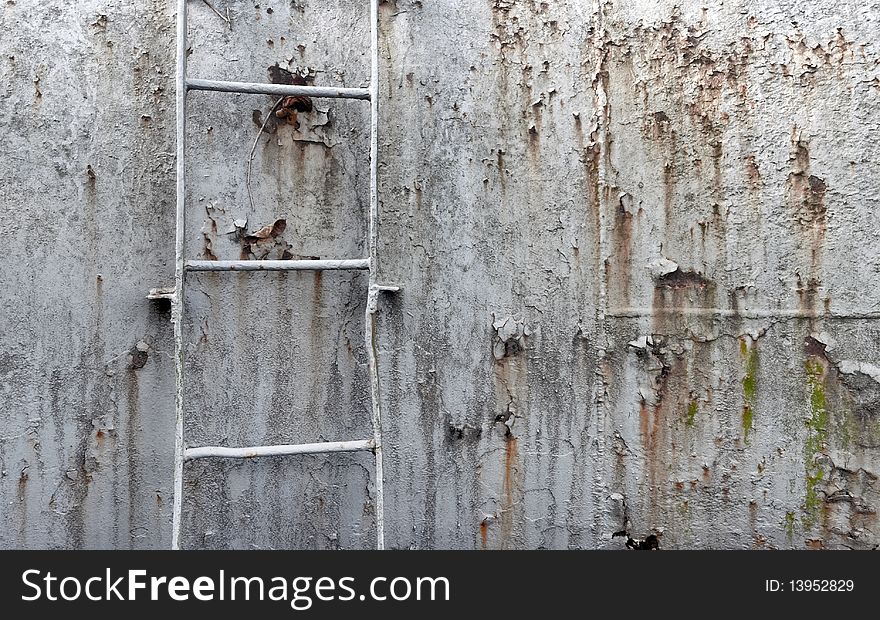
637	242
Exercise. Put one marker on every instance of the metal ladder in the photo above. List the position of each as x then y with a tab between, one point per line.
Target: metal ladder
182	452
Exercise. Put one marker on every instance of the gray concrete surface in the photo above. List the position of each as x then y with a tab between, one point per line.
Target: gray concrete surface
638	246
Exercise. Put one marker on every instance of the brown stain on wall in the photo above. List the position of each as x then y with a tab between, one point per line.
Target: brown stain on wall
808	297
805	193
619	265
680	289
502	174
22	486
753	524
510	374
208	241
589	157
317	331
509	489
654	419
658	128
650	417
133	443
669	366
23	478
645	425
753	173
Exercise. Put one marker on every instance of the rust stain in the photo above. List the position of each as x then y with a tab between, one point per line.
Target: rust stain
509	371
619	266
317	335
684	279
208	238
510	455
501	172
22	484
753	523
652	423
269	231
290	106
808	294
417	192
510	383
589	156
484	533
682	288
265	243
753	174
669	177
655	437
806	197
644	420
508	488
668	369
134	444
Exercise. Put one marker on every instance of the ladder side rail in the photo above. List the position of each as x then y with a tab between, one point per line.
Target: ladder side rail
179	238
373	291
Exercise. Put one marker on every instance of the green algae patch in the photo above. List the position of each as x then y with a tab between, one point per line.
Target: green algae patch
788	524
749	386
817	437
691	414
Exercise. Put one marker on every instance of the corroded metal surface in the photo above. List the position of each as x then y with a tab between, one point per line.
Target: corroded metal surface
636	243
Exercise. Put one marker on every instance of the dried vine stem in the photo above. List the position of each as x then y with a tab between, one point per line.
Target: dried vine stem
254	151
219	14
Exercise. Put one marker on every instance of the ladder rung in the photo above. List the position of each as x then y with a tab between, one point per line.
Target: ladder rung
281	450
278	89
277	265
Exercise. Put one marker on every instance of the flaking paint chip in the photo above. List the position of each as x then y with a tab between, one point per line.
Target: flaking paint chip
641	342
659	267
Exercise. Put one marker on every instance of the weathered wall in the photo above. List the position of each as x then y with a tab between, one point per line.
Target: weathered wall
635	240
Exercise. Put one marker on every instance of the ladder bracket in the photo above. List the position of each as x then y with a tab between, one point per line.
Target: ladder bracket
386	288
162	292
373	295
